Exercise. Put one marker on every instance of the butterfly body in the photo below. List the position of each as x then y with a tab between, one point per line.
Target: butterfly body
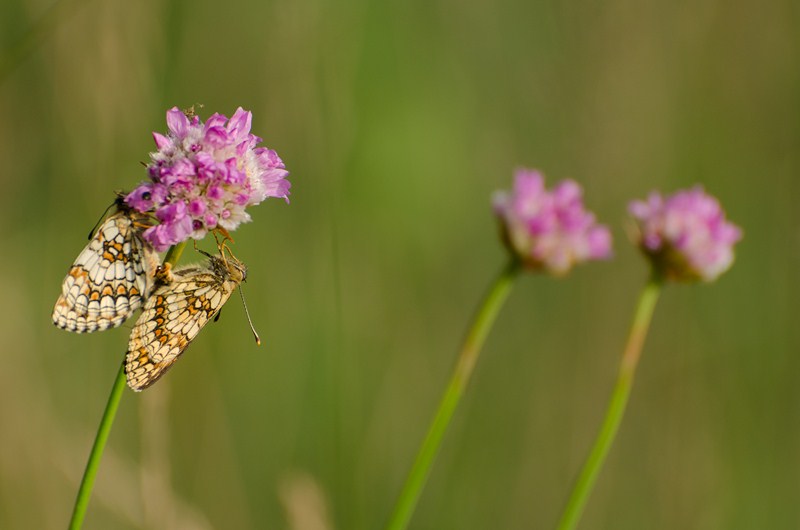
182	302
110	278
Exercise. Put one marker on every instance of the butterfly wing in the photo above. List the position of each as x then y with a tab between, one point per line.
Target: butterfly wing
173	316
108	280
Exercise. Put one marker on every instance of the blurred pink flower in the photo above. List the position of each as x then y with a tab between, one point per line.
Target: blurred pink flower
686	235
205	175
549	230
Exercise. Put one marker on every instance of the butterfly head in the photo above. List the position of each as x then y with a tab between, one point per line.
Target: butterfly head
236	269
227	267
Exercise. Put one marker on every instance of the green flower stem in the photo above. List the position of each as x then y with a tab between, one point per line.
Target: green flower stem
174	253
476	336
92	465
616	407
85	490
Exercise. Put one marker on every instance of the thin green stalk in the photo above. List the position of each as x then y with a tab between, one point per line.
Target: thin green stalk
174	253
85	490
476	336
93	464
616	407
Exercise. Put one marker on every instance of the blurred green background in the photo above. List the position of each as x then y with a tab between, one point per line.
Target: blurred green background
397	121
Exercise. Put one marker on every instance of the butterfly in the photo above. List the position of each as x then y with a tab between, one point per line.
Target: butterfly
183	301
111	277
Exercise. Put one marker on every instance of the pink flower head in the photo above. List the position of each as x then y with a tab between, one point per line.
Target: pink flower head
147	196
549	229
205	175
685	235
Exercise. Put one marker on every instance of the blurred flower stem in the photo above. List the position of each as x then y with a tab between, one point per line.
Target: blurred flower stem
616	407
103	431
465	362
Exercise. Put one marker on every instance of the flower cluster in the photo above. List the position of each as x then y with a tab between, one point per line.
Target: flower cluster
204	176
549	230
686	234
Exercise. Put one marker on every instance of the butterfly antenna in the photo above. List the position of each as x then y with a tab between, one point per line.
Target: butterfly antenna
249	320
102	217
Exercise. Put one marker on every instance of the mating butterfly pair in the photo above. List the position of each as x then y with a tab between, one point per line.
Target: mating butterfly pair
119	271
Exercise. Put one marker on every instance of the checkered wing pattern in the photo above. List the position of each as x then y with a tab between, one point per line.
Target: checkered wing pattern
175	313
109	279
